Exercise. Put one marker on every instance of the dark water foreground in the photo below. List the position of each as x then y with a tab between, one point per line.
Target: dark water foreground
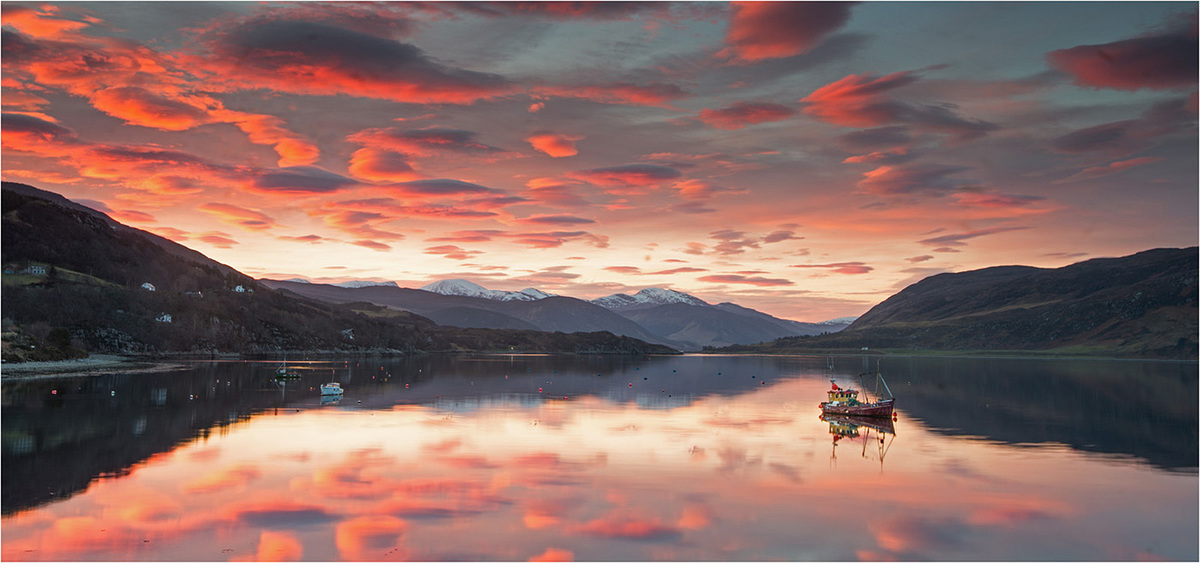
601	458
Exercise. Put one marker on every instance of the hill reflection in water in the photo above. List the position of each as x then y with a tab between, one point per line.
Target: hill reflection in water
519	457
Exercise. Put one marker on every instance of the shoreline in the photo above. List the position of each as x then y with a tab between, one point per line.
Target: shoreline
100	364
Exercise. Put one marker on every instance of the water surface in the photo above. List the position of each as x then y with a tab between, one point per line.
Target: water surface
598	458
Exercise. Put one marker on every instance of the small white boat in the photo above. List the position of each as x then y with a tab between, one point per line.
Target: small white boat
331	388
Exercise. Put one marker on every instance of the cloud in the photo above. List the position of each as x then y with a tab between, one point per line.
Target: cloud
863	101
148	109
42	21
453	252
240	216
371	538
653	94
554	554
293	150
300	180
628	175
996	200
912	178
560	220
381	165
919	259
741	114
958	238
552	239
1109	169
840	267
1158	61
373	245
877	139
556	145
236	476
551	191
440	187
307	57
424	142
768	30
744	280
627	527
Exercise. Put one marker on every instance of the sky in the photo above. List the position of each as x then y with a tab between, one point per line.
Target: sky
807	160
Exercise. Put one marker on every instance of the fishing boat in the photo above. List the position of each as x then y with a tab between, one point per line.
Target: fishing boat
844	400
331	388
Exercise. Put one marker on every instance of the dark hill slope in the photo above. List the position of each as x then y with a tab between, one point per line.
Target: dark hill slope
1143	305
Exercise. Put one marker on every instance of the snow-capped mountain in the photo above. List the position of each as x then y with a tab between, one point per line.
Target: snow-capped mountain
466	288
839	321
648	297
352	284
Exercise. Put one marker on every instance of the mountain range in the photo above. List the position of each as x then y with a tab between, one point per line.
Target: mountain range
660	316
1142	305
76	281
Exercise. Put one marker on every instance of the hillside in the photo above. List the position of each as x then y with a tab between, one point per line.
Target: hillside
91	298
1143	305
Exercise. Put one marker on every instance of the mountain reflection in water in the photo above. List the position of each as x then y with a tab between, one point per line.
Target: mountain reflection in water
554	457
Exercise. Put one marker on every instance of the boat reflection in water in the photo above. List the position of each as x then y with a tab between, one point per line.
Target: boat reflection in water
848	427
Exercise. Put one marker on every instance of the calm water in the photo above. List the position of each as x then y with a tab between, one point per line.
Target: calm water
518	458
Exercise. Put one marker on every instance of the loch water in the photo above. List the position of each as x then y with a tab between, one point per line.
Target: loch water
677	458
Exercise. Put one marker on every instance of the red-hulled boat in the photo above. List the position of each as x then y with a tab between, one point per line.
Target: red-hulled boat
844	400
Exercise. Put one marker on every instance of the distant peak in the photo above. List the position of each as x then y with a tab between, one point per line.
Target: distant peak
648	296
354	284
466	288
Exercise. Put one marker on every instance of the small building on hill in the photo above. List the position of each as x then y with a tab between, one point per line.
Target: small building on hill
164	318
36	270
148	286
239	289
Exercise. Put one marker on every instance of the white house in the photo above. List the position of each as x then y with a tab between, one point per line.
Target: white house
164	318
148	286
36	270
239	289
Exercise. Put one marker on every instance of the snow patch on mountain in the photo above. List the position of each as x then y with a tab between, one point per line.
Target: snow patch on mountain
298	280
355	284
466	288
646	297
839	321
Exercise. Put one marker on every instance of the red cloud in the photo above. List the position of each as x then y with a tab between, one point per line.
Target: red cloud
655	94
440	187
554	144
742	114
996	201
1158	61
371	538
628	175
143	107
1109	169
453	252
911	178
381	165
554	554
747	280
40	22
862	101
841	267
629	527
373	245
768	30
269	130
624	269
957	239
240	216
237	476
561	220
424	142
306	57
